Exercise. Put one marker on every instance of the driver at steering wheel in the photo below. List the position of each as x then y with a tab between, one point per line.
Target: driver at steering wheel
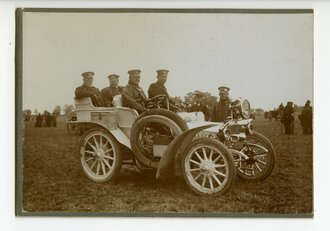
133	95
158	88
221	110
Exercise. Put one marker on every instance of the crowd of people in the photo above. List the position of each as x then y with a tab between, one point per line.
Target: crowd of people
133	95
286	114
46	120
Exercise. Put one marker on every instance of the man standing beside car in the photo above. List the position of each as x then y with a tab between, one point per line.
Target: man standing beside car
133	95
221	110
88	90
109	92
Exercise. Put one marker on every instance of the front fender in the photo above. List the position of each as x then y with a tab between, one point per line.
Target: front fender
175	150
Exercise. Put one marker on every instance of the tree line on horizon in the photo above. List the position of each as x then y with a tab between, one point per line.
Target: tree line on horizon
188	100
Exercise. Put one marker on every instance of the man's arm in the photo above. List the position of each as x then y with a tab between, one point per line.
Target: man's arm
152	91
81	93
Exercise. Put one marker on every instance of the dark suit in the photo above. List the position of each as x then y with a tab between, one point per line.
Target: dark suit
134	97
109	92
288	119
92	92
306	119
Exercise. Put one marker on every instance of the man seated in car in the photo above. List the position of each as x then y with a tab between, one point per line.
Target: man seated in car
133	95
109	92
158	88
88	90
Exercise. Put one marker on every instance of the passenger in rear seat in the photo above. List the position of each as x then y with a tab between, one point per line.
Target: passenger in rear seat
87	90
111	91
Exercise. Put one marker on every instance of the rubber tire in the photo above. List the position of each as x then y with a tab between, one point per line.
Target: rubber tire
272	154
170	114
141	120
113	176
227	155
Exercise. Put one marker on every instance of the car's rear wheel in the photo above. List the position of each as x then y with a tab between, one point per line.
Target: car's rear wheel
99	155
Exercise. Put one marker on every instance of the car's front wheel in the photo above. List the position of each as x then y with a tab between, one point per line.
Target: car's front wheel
208	167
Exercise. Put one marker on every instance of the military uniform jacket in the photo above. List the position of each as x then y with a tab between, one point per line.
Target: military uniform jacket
221	111
134	97
156	89
92	92
201	107
109	92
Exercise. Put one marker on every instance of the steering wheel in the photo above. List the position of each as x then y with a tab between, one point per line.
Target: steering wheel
157	101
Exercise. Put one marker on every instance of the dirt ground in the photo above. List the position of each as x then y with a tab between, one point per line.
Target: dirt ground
54	182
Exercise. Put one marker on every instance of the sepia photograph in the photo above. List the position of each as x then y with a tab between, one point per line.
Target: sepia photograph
164	112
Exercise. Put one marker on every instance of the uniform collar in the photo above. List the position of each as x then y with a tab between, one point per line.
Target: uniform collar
159	83
133	85
83	85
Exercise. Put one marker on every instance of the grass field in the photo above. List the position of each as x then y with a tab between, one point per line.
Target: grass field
53	181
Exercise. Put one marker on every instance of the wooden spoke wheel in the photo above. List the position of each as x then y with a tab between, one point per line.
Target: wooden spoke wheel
100	157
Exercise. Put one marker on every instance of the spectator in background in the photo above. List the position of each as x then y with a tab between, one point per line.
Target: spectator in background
306	118
200	106
54	120
39	121
288	118
48	120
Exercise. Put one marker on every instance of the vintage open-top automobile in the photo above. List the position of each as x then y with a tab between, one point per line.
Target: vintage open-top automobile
208	155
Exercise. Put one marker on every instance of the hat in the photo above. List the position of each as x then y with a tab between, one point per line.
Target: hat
199	95
134	72
113	76
162	72
223	89
88	74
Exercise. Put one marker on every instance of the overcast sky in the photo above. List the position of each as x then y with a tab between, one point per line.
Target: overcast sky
266	58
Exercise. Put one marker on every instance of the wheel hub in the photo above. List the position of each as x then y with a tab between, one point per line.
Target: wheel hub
99	153
251	154
207	167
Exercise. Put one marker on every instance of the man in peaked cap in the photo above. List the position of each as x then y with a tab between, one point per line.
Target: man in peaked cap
158	88
133	95
87	90
200	106
221	110
114	89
